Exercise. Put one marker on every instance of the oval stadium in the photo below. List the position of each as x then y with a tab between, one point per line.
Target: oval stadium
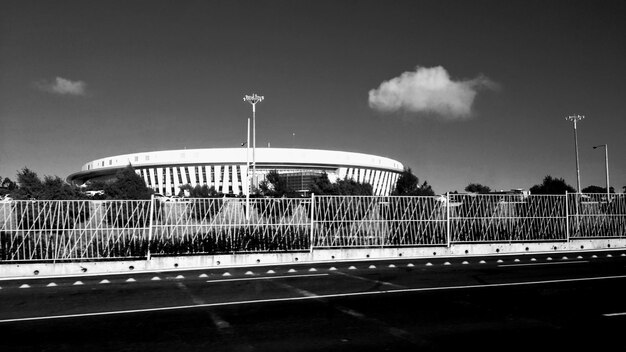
225	169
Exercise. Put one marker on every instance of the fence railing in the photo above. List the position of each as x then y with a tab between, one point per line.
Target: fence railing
97	230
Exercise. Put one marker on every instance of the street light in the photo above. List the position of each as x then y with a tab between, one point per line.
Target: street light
606	162
253	99
575	118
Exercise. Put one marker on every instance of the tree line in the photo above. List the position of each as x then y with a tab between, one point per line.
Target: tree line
128	185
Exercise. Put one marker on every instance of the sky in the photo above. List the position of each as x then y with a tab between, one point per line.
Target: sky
459	91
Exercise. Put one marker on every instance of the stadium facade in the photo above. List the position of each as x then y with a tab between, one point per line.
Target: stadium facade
226	168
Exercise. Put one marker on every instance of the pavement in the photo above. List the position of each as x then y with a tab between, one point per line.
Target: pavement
564	300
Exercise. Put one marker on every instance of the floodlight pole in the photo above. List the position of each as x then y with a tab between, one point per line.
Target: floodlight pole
253	100
606	164
575	118
248	171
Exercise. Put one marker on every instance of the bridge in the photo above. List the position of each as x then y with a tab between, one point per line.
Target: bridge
43	238
308	274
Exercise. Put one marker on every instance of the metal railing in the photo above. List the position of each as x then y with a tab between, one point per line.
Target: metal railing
97	230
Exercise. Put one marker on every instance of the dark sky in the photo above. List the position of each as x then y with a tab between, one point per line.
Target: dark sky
80	80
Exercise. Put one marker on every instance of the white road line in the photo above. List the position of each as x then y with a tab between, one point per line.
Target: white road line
353	313
220	323
266	278
552	263
614	314
334	295
370	280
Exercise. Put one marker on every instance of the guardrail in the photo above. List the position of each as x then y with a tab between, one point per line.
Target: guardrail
53	231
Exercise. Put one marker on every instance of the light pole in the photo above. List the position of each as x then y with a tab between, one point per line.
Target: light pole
248	171
606	163
253	99
575	118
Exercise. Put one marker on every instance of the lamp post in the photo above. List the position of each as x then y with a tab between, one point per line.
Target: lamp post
606	163
248	171
253	100
575	118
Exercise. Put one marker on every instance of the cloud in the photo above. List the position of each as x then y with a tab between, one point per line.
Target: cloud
428	91
63	86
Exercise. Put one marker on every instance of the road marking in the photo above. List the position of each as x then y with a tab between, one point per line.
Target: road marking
614	314
156	278
179	277
291	270
52	284
372	267
378	282
353	313
287	299
105	281
312	269
249	273
130	279
271	272
553	263
77	283
203	275
429	264
266	278
410	265
392	266
25	286
226	274
482	262
332	268
220	323
352	267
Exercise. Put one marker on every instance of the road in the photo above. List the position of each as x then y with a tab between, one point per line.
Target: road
507	302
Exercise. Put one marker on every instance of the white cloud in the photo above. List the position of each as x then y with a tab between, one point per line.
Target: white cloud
63	86
428	91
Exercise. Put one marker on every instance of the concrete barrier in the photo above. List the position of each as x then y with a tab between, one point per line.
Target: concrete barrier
172	263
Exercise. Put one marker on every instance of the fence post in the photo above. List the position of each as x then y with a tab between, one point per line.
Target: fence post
567	216
448	218
150	224
312	221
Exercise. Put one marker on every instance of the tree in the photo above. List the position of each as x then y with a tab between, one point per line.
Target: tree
29	184
408	185
477	188
51	188
199	191
127	185
323	186
7	186
597	189
275	186
551	185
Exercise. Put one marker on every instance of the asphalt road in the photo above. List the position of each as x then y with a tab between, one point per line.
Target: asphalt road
574	301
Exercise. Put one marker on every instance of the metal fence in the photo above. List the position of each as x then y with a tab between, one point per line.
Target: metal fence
97	230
